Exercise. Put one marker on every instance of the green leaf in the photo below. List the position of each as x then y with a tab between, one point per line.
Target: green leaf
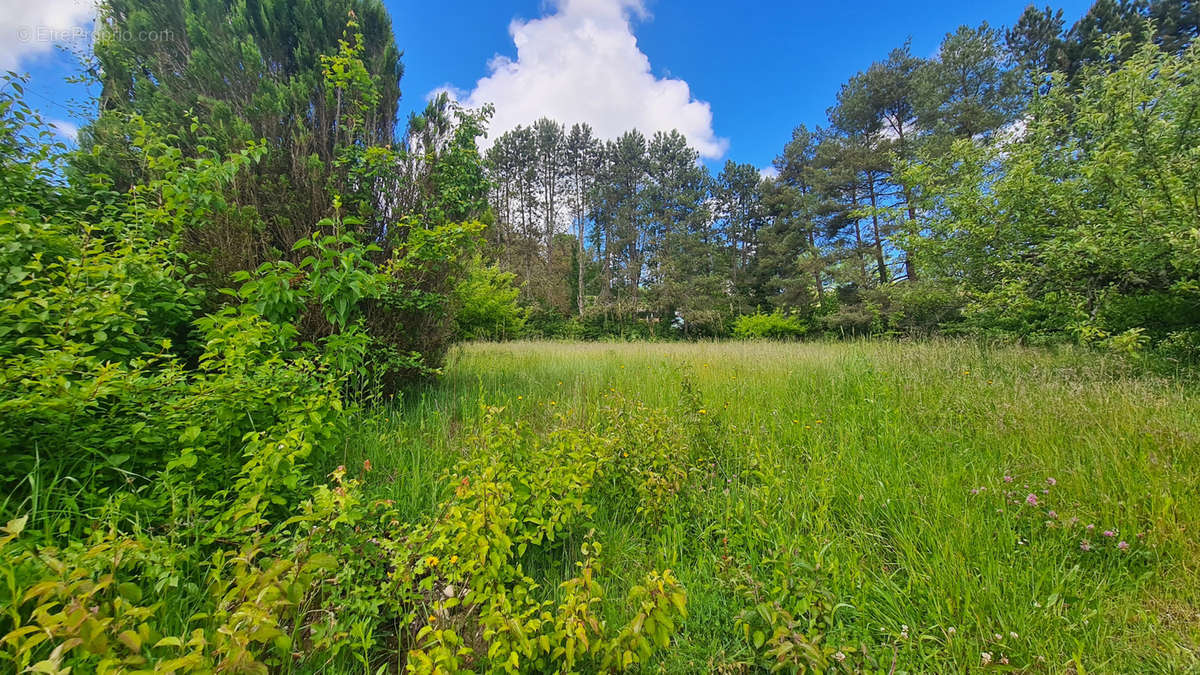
16	525
130	591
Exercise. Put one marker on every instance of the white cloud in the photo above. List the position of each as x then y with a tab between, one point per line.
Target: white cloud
768	172
29	28
581	63
67	130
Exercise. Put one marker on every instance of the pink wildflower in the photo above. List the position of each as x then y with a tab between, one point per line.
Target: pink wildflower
1031	499
1109	533
1085	545
1123	545
1051	482
1008	479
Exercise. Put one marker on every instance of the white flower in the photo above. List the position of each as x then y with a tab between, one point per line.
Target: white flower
839	657
986	657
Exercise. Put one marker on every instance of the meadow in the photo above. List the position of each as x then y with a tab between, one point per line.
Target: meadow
880	506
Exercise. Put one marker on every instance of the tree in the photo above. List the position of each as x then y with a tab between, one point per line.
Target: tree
1086	223
971	90
738	204
677	226
795	206
1036	41
621	217
550	176
878	108
583	160
247	72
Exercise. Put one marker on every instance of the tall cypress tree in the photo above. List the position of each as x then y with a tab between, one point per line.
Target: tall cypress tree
247	70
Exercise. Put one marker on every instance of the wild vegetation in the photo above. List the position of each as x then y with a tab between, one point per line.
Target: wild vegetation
236	434
852	506
1037	183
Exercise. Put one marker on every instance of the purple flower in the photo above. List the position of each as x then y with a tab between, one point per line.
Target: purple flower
1109	533
1008	479
1052	514
1091	526
1031	499
1085	545
1051	482
1123	545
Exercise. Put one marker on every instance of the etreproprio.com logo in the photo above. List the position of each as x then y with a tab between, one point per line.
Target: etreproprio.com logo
60	34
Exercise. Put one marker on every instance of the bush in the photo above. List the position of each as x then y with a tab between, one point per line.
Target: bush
922	308
549	323
150	450
774	326
1181	347
702	323
487	306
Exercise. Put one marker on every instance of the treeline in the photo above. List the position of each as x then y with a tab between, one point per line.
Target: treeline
861	227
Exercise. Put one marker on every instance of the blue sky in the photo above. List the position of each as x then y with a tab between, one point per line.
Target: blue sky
735	80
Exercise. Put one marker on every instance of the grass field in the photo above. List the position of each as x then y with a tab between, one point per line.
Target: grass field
916	507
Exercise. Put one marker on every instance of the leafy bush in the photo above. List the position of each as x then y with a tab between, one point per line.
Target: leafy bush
159	456
487	306
1085	224
703	323
922	308
1182	346
549	323
773	326
615	322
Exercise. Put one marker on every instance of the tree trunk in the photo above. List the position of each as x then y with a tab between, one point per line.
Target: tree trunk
580	210
858	240
910	268
883	271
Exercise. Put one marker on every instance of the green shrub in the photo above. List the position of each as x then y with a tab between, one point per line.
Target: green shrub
922	308
487	306
1181	347
773	326
703	323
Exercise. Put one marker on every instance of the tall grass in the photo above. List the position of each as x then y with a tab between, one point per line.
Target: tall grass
903	476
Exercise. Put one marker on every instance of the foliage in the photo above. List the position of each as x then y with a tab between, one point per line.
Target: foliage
315	86
775	326
1039	178
922	308
865	505
313	77
487	306
1085	224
